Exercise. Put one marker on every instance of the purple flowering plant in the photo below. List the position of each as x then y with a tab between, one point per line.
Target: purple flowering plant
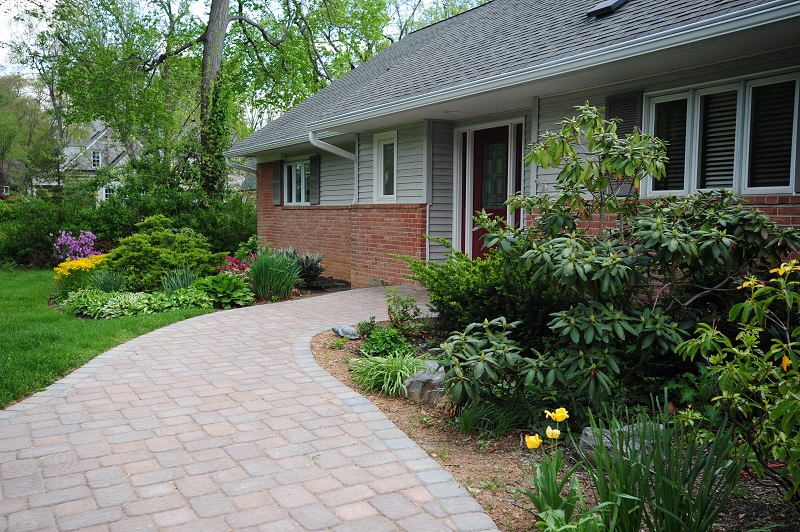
69	247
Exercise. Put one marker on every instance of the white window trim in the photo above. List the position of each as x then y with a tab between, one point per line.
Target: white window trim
744	89
287	190
379	140
650	124
6	190
746	135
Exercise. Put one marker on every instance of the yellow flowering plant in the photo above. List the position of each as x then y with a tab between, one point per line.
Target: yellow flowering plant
554	509
757	372
75	274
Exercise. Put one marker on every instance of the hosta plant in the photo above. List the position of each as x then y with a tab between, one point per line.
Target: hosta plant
226	291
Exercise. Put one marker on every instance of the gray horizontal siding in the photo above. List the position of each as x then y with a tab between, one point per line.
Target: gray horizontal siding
336	178
440	219
410	187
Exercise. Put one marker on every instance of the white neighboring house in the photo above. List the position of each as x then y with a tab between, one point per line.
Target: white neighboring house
88	156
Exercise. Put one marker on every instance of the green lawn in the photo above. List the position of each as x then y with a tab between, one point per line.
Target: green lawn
39	344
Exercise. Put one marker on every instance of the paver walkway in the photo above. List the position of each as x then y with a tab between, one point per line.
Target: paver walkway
222	422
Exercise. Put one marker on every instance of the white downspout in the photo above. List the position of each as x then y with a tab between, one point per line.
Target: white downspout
312	138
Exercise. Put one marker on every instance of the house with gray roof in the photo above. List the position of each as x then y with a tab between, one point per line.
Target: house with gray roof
434	128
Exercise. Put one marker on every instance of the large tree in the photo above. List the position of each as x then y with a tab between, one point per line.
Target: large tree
154	72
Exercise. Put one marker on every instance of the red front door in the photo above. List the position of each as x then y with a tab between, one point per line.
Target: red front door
490	177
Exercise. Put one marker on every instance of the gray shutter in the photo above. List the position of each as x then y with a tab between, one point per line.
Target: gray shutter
771	124
717	139
277	179
628	108
313	194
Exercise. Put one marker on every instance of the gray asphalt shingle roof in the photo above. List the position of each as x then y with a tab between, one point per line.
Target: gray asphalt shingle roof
502	36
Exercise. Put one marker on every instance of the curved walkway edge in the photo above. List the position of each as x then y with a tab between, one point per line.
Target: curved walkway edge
222	422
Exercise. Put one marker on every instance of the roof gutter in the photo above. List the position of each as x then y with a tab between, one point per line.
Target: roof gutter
241	167
312	138
729	23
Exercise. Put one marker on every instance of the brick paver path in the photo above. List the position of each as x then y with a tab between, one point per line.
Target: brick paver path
222	422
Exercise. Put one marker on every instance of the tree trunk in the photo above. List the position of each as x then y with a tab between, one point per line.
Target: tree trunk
213	43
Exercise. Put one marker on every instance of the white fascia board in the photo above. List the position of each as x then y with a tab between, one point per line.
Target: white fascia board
753	17
281	143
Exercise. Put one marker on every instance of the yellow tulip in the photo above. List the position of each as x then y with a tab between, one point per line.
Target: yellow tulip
553	433
558	416
533	442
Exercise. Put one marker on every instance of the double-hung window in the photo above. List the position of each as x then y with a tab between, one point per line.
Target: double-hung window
296	180
97	159
385	166
740	136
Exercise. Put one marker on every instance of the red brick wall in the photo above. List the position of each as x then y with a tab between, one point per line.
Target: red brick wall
382	229
355	240
783	210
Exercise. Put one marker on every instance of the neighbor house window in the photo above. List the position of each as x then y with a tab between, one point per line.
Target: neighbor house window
6	190
107	193
741	137
385	166
96	159
296	176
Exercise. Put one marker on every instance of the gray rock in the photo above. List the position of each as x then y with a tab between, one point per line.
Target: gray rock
374	283
631	443
346	331
426	386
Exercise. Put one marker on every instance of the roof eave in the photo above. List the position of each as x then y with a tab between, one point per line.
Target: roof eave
728	23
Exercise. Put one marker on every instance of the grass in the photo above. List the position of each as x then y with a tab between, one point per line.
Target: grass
39	344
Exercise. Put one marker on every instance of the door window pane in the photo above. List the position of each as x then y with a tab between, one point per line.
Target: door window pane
388	169
494	168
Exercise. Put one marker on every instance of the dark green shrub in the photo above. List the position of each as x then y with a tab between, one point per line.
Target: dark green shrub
309	264
274	275
385	341
464	291
182	277
386	374
226	291
158	248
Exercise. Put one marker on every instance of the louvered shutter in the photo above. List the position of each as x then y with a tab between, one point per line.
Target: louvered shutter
771	124
717	139
277	177
313	178
670	126
628	108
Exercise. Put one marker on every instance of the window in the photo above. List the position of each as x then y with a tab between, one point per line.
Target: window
6	190
385	166
96	159
741	136
107	193
296	179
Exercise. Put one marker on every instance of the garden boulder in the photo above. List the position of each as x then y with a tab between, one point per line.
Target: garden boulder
630	437
426	386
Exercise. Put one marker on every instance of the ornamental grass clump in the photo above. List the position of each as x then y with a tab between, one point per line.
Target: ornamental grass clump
274	275
75	274
386	374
